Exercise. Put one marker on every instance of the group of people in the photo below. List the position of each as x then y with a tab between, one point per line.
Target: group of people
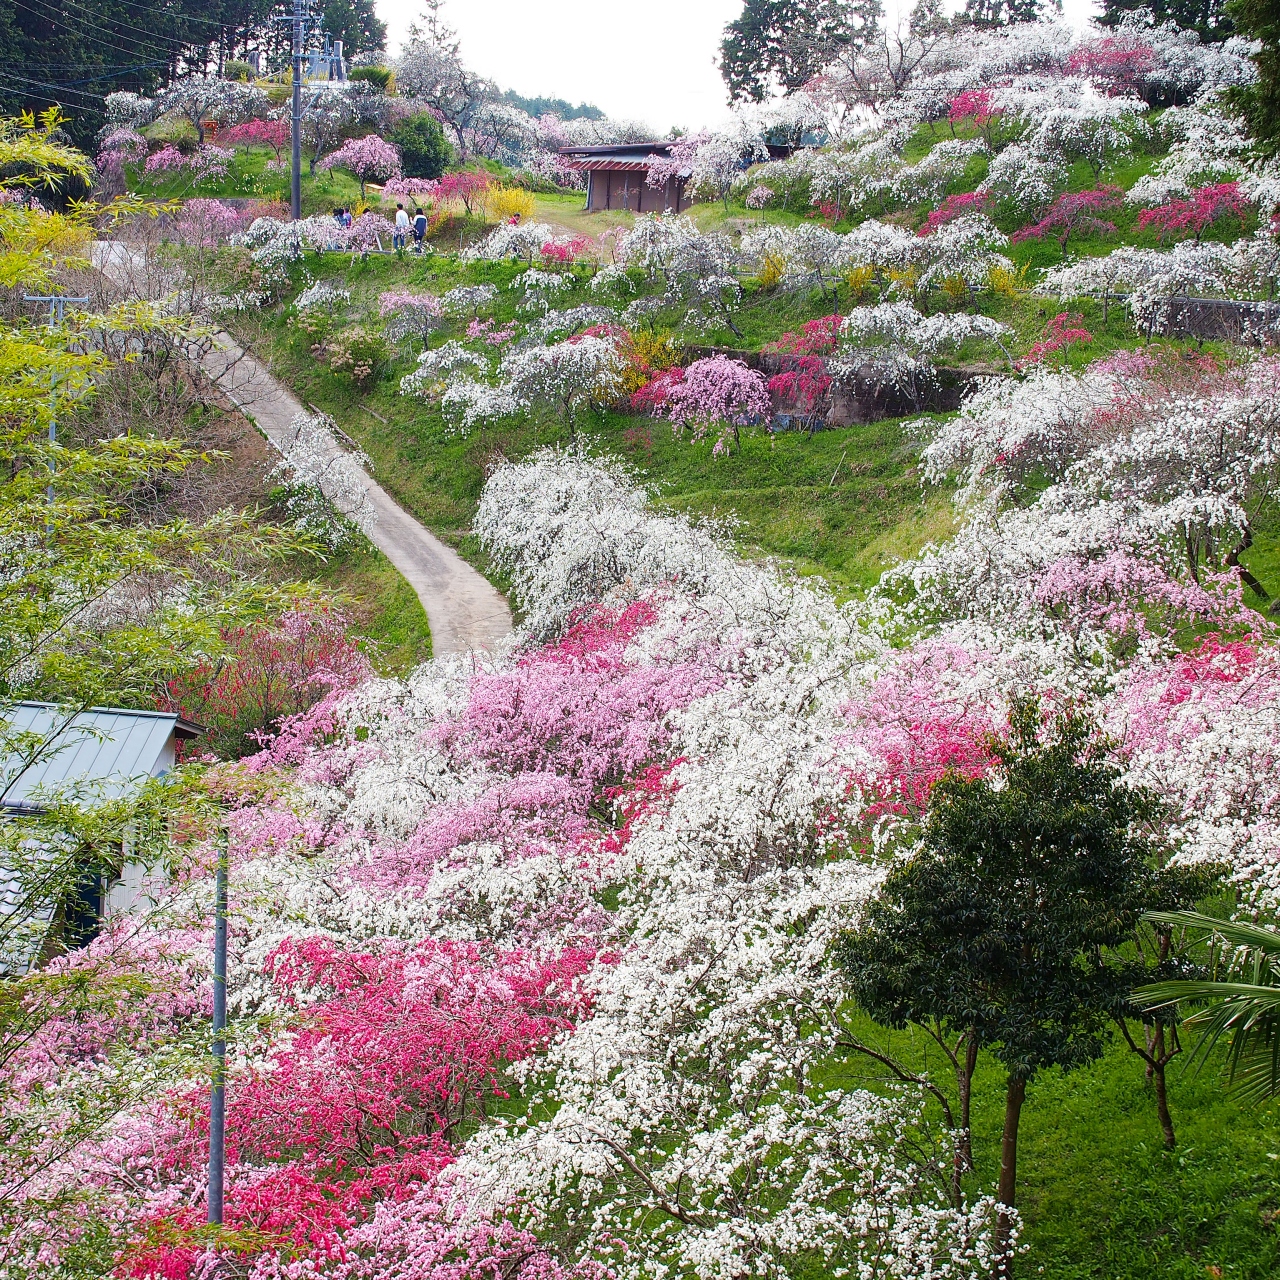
418	226
404	227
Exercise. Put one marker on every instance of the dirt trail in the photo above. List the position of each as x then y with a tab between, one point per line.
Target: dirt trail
464	609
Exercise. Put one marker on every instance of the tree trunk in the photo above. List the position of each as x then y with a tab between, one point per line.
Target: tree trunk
1014	1097
964	1086
1233	560
1158	1060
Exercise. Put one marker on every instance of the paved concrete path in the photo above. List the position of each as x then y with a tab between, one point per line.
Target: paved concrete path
465	610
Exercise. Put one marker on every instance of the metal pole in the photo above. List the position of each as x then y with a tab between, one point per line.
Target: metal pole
295	189
57	313
217	1095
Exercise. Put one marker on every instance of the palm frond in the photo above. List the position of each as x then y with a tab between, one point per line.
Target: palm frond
1246	1012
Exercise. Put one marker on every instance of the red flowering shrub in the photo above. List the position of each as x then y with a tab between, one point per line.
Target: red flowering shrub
566	252
1075	211
656	393
396	1050
1064	331
1115	64
952	207
817	338
803	384
268	671
1193	216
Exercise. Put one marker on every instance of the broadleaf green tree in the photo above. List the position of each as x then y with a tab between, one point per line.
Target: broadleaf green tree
1258	104
1000	927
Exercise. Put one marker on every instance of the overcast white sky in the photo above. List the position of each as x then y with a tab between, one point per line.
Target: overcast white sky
651	61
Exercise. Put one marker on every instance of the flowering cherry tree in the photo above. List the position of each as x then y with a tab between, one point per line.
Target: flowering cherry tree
200	98
369	159
720	393
273	133
406	314
1194	215
1075	211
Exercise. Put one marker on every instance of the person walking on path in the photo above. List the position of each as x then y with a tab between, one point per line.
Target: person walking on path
401	235
419	230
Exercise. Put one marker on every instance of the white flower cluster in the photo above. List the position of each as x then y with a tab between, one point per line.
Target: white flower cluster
434	366
1157	278
522	240
894	345
965	249
321	295
468	299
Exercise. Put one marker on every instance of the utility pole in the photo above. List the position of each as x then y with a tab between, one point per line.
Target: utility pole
217	1094
295	189
57	313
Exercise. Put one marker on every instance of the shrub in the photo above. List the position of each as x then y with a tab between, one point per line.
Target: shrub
506	203
240	71
1193	216
380	77
1075	211
267	671
357	354
646	355
424	150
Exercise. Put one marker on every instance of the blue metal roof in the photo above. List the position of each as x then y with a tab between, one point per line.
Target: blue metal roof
104	751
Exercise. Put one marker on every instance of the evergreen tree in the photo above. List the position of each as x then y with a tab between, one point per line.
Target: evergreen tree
1258	104
424	150
1002	927
787	42
356	24
999	13
1208	17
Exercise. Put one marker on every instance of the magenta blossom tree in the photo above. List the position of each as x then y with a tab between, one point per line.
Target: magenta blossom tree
259	133
717	392
1075	211
207	223
1193	216
366	159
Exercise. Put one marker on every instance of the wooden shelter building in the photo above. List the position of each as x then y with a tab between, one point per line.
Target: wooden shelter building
616	178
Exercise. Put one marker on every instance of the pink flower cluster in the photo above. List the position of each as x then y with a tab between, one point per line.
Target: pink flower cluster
1194	215
494	337
1116	64
205	162
1075	211
566	252
1064	331
258	133
207	223
717	392
953	207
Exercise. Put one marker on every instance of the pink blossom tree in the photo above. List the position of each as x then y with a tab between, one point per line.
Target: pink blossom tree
1116	64
717	392
1195	215
1075	211
368	159
258	133
954	207
207	223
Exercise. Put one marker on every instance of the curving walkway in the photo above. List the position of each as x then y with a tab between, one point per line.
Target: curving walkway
464	609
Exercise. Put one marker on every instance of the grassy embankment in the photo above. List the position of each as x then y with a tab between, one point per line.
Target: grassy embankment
1101	1198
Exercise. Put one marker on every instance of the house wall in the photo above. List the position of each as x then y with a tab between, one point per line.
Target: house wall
623	190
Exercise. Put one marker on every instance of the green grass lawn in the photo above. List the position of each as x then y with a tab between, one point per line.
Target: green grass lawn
386	611
1100	1196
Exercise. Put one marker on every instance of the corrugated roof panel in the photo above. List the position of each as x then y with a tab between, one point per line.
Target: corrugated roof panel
106	750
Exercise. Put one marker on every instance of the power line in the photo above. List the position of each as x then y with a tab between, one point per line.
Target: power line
95	98
157	41
118	24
